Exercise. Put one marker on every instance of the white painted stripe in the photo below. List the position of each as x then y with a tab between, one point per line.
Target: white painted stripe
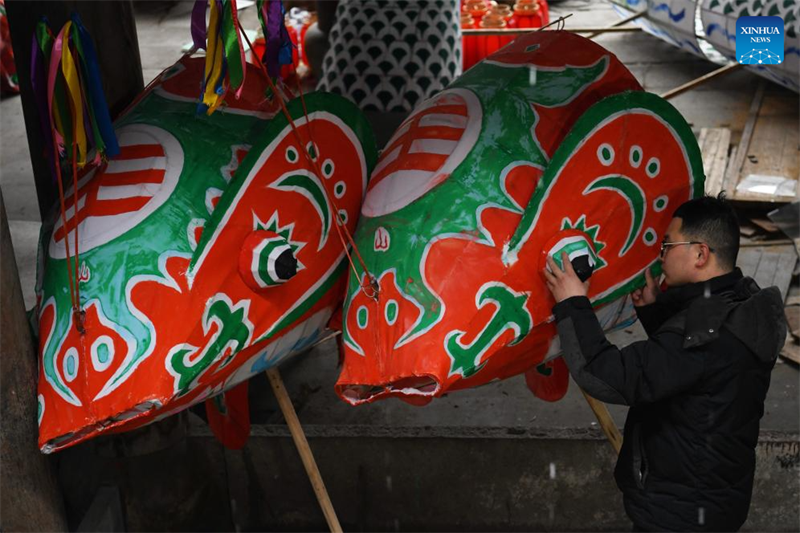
131	138
402	130
444	119
121	192
386	160
120	166
70	213
433	146
396	190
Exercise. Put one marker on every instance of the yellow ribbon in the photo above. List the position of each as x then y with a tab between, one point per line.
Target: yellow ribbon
213	69
76	100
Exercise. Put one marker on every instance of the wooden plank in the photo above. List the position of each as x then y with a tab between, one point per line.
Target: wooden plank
734	168
769	265
793	320
791	352
714	146
31	499
774	145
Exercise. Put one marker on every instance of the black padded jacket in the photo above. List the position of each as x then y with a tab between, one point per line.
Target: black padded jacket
696	392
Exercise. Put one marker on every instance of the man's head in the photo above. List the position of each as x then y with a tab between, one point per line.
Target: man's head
701	242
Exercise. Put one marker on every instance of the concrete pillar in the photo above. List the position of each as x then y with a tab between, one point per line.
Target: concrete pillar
30	499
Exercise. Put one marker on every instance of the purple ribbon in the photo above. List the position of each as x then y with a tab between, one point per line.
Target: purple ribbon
274	18
39	83
199	24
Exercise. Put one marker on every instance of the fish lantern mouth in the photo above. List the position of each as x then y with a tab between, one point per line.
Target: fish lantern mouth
417	390
580	252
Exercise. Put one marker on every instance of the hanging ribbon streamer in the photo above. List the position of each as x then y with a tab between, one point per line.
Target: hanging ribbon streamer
39	83
272	14
225	60
69	95
74	118
105	140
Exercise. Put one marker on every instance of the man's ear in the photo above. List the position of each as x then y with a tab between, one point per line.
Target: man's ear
703	256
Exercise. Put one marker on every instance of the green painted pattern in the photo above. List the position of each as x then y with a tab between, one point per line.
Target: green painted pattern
233	334
511	314
312	190
635	198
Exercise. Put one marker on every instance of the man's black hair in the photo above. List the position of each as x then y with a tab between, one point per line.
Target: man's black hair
712	221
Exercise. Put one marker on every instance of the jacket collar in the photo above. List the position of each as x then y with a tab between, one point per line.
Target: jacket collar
679	298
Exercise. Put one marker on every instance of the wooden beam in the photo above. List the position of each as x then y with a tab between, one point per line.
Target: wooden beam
700	81
113	29
303	449
30	499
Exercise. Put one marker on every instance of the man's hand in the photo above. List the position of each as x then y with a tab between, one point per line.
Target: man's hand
564	283
647	294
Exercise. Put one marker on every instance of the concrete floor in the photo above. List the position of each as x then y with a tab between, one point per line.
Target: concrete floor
502	406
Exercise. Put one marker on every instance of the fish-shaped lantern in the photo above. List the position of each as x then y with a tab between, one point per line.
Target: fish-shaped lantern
547	146
208	249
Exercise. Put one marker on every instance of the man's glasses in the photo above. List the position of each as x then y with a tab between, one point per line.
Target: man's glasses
665	246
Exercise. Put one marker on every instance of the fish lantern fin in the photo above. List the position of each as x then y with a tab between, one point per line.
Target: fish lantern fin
229	417
548	381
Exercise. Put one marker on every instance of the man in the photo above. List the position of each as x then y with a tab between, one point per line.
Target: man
696	387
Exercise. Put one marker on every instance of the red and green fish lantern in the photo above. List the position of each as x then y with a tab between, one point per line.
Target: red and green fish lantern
548	146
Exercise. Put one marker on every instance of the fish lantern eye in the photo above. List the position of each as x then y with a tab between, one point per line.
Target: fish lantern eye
266	260
580	254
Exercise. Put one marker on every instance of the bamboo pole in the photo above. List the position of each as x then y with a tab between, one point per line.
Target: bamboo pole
518	31
299	438
700	81
617	24
606	422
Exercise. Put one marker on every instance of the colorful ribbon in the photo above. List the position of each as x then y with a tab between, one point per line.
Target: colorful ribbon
271	14
69	95
225	62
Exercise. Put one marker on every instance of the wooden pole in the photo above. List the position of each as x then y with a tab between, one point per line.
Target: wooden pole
518	31
700	81
30	498
303	449
617	24
606	422
113	29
